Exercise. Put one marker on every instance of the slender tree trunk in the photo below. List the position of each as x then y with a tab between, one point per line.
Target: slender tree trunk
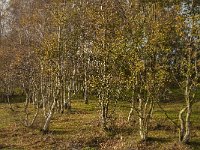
186	137
8	97
142	125
68	104
130	114
182	124
85	87
132	107
185	128
48	119
143	133
104	111
103	116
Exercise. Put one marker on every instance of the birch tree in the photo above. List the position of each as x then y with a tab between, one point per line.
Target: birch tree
188	66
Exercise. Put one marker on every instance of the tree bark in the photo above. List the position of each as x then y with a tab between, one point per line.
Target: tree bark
182	126
48	119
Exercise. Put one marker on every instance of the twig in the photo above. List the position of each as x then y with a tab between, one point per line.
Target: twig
168	116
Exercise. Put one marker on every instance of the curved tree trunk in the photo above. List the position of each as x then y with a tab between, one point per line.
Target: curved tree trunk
186	137
48	119
182	125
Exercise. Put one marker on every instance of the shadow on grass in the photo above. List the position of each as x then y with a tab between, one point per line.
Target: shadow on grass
158	139
2	146
77	111
95	142
59	132
195	144
13	99
162	127
125	130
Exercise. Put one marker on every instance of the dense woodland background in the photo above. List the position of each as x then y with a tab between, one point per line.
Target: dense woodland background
99	74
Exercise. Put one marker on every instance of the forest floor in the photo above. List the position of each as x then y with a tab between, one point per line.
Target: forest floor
80	130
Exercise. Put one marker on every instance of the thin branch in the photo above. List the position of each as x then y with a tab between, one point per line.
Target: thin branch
168	116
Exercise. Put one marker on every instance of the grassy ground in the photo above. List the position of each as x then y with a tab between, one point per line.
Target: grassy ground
80	129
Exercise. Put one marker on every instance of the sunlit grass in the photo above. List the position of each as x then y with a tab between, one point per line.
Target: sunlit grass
80	129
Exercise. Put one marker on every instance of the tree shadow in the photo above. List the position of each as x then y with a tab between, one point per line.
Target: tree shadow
195	144
59	132
119	130
2	146
95	142
158	139
14	99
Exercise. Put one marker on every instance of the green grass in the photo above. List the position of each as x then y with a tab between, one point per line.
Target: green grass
80	129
